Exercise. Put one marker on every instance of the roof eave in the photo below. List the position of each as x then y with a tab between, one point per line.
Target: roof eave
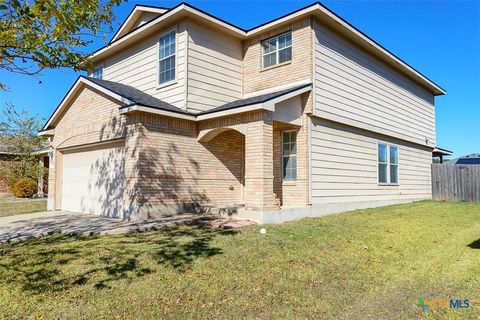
443	152
345	28
149	109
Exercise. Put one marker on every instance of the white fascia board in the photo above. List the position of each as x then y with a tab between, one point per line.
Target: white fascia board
167	113
271	103
46	133
278	88
151	9
258	106
442	151
73	92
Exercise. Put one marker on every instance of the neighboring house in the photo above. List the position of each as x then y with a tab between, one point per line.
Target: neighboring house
7	157
301	116
439	153
469	159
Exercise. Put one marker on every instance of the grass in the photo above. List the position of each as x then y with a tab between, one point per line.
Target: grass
10	207
368	264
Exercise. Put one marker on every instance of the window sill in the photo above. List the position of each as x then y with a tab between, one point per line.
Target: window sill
289	183
166	84
276	66
389	184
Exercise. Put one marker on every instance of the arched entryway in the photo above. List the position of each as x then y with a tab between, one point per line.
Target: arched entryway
228	147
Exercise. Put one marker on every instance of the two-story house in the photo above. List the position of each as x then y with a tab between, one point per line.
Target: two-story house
301	116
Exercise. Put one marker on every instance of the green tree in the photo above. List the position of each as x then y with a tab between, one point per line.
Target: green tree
18	136
40	34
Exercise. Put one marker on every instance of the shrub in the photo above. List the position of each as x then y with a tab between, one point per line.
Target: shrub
24	188
11	180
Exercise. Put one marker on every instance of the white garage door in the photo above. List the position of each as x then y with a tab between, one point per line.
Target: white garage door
94	180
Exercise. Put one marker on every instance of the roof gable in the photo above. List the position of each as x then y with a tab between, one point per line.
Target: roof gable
125	94
139	15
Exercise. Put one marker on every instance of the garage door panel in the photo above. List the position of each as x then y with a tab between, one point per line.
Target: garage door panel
94	180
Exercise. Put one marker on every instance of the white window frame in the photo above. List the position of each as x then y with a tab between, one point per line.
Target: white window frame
388	183
283	155
100	67
277	50
175	79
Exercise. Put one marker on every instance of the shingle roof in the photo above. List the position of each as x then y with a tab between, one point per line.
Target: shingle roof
135	95
253	100
144	99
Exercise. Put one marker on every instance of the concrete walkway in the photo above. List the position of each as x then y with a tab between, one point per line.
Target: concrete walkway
25	226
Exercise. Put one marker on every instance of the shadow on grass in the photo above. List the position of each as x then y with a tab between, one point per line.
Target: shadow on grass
475	244
61	262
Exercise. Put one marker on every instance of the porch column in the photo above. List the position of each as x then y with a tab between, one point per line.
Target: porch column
40	181
259	163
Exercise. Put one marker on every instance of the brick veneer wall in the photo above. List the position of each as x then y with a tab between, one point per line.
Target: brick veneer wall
93	117
292	193
166	165
173	168
255	78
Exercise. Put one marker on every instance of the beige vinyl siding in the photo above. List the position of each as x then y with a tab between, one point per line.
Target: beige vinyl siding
138	66
214	68
344	166
355	88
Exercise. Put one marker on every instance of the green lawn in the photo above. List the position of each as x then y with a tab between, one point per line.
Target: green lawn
10	207
368	264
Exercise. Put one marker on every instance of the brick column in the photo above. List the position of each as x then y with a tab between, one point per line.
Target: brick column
52	183
259	164
133	145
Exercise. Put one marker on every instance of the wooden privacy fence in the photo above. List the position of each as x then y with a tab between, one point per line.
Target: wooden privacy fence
456	182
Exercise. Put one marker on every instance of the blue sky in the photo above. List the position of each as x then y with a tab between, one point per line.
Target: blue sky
441	39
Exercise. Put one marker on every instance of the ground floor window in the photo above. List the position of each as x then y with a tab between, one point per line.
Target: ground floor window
387	164
289	155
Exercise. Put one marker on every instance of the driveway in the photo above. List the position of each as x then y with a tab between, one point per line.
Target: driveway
25	226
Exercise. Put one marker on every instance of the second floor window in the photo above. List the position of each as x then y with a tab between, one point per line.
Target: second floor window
387	164
277	50
167	57
98	73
